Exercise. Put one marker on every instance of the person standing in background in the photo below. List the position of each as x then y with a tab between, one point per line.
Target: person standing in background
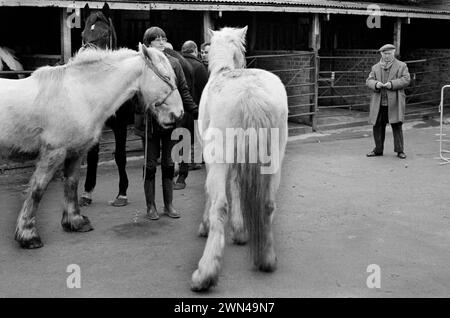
388	80
199	76
204	51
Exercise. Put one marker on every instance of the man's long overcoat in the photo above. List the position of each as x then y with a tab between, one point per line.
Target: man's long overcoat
400	78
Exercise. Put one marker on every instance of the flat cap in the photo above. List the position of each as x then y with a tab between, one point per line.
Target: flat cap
387	47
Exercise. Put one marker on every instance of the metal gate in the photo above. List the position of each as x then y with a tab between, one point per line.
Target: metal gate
299	73
345	89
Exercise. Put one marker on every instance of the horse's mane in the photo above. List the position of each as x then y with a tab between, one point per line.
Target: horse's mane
92	61
89	61
227	49
85	57
98	59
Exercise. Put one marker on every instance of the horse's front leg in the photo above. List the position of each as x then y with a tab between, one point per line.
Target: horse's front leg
26	233
72	220
207	273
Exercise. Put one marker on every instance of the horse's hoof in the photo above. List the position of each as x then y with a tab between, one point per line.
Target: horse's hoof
34	242
239	241
82	226
202	230
239	238
86	227
199	284
268	266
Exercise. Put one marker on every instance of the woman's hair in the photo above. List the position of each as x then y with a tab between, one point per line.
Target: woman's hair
152	34
202	47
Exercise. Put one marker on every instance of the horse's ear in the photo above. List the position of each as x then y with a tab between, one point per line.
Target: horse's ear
244	32
106	10
210	32
86	10
141	48
144	51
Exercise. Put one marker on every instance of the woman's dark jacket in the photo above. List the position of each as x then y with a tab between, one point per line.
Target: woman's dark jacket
188	103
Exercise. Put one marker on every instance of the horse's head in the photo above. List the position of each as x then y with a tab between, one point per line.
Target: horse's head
99	29
158	88
225	42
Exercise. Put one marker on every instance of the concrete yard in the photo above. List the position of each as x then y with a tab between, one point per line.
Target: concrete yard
338	212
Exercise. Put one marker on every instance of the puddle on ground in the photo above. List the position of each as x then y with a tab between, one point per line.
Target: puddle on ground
427	123
140	228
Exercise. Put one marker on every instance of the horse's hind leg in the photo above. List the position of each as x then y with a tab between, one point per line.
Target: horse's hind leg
268	259
239	235
203	229
26	233
72	220
207	273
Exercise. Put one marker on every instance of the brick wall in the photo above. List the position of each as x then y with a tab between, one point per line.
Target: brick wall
292	70
357	66
434	73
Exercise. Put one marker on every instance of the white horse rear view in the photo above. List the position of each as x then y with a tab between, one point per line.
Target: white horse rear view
253	102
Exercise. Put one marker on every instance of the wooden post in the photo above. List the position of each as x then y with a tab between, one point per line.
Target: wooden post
208	23
253	27
314	35
314	41
316	90
66	39
397	35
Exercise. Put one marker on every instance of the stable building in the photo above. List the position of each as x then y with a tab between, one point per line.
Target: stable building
322	50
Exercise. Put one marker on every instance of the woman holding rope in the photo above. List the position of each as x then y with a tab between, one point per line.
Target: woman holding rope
156	139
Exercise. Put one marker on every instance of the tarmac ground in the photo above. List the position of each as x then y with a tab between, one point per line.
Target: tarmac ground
338	213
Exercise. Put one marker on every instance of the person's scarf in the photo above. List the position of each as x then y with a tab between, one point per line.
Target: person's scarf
386	64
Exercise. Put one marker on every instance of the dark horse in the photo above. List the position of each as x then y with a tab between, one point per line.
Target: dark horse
99	32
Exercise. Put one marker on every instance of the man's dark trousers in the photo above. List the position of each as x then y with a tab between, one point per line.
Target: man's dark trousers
379	132
188	122
120	155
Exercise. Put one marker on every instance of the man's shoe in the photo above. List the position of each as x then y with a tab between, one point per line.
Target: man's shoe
180	184
85	199
401	155
374	154
195	166
120	200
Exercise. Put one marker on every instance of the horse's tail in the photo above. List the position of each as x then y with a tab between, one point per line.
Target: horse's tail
254	186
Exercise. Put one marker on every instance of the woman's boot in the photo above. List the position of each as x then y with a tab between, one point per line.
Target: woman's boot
149	189
167	185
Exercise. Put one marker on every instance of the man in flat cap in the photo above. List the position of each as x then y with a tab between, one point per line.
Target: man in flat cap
388	80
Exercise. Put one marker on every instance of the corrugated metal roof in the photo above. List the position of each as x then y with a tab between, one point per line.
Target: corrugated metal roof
436	8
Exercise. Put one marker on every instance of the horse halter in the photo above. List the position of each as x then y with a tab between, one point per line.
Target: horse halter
162	77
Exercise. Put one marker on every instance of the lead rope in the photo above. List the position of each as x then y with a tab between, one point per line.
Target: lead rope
145	146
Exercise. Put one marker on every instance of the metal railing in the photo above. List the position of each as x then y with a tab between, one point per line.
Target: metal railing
442	151
338	90
300	81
